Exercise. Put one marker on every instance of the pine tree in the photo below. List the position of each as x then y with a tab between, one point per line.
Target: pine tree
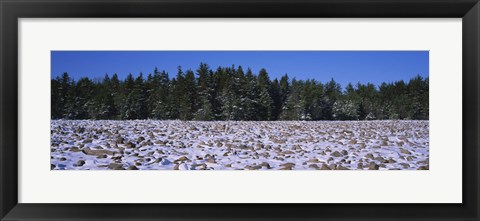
103	102
56	110
205	94
418	94
230	94
159	100
275	94
264	102
292	109
332	93
250	93
61	94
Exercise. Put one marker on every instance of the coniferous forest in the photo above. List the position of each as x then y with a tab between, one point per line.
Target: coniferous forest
232	93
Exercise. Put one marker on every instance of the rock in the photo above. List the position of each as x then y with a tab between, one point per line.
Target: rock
116	158
265	164
405	151
288	152
404	165
140	139
115	166
80	163
380	159
80	130
102	156
75	149
369	156
423	168
423	162
336	154
242	146
211	160
201	166
373	166
176	166
256	167
315	166
129	145
182	158
89	140
344	152
324	167
160	142
132	167
287	166
340	167
97	153
360	166
52	166
63	159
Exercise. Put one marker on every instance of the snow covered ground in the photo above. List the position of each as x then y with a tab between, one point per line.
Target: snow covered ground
276	145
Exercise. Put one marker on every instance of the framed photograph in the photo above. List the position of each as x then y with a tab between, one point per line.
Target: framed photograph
227	110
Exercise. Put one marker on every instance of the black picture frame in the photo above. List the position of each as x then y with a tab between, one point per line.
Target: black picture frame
12	10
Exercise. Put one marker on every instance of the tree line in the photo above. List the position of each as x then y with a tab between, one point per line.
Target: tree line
230	93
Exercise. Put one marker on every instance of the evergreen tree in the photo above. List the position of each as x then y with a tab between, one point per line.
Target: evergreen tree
229	93
275	94
293	109
332	93
159	101
103	104
61	89
418	94
250	93
264	102
205	94
56	110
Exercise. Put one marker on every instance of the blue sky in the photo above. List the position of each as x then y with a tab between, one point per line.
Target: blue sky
344	66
